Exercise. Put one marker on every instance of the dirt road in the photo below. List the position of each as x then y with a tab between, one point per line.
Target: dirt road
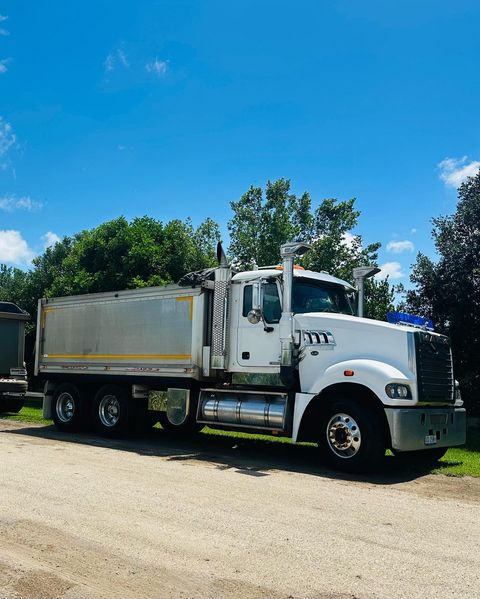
82	517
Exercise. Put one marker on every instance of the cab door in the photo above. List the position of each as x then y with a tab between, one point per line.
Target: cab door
258	345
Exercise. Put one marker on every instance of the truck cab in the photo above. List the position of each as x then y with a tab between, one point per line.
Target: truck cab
257	345
354	385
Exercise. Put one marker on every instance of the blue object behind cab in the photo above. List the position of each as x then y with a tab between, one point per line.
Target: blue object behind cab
419	321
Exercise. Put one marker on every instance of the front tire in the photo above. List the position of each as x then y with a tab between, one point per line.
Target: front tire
352	437
68	408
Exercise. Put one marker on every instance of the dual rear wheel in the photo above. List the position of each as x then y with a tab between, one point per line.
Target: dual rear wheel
111	412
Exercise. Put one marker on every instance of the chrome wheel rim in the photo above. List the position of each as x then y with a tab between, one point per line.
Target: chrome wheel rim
109	410
343	435
65	407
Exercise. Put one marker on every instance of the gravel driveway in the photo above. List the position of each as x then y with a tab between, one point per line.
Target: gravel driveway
84	517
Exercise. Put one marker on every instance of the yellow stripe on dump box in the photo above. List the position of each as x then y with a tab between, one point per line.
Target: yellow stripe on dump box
117	357
188	298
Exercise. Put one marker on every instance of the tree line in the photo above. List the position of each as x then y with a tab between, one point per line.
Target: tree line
145	251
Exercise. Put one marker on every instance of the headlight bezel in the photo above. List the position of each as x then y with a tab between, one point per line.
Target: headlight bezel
398	391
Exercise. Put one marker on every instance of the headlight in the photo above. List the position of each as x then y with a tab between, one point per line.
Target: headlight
397	391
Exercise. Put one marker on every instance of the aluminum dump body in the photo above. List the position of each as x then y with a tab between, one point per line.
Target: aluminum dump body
155	331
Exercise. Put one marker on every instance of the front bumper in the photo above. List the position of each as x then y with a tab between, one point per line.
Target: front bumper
412	429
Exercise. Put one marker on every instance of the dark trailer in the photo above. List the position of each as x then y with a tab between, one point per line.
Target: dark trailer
13	374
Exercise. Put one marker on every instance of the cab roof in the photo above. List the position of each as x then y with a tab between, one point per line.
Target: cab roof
297	272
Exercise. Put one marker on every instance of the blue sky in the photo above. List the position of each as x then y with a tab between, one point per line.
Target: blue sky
174	108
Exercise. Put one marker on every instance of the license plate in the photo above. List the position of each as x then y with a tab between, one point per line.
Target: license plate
18	372
430	439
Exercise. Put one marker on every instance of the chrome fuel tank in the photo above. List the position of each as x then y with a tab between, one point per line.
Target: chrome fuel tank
245	409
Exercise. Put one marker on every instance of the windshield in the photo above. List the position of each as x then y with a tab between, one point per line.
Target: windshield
319	296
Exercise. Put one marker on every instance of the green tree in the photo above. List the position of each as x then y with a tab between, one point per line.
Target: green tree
261	224
448	290
122	255
115	255
258	227
13	285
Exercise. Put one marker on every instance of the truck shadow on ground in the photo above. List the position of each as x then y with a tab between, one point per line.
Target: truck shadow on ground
247	456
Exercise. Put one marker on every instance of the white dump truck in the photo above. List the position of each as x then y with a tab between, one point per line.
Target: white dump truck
278	350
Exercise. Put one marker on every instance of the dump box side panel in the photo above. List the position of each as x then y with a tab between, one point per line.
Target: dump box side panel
142	331
11	345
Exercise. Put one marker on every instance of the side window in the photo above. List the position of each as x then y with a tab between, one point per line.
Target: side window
247	299
272	310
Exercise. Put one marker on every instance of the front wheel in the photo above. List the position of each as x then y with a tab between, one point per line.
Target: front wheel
352	436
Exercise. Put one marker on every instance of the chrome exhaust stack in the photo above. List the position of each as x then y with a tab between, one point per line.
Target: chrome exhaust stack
288	252
223	274
360	274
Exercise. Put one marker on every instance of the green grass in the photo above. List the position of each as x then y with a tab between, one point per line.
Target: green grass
462	461
31	412
458	461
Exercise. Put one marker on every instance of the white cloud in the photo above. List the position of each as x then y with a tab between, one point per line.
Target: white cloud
109	63
3	31
413	231
14	249
455	171
3	65
157	67
393	270
348	239
122	57
115	59
7	140
397	247
11	203
50	239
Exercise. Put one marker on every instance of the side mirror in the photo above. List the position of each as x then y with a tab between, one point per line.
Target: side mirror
255	314
257	292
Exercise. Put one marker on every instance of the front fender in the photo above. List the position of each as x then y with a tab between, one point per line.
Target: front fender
371	374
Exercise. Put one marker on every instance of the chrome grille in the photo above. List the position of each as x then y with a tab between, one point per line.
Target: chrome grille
434	368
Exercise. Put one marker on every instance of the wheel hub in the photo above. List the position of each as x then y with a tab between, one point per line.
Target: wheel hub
343	435
109	410
65	407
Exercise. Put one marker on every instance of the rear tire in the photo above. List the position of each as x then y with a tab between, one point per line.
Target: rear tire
352	436
68	408
114	412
